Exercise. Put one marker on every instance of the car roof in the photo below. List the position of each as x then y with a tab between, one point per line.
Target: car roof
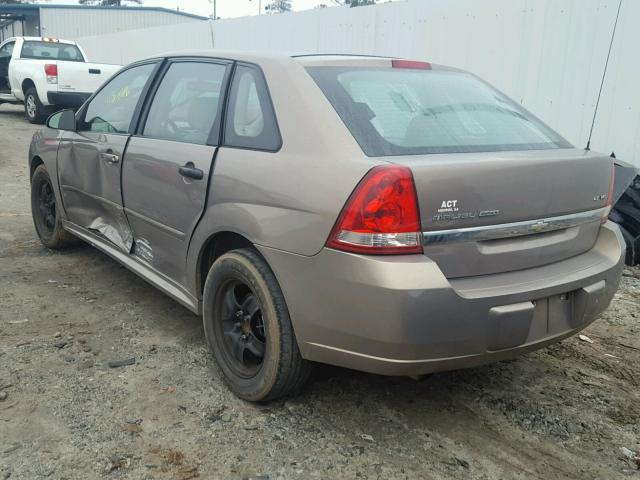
287	58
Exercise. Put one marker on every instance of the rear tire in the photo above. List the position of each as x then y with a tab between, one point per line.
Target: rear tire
45	212
248	329
34	110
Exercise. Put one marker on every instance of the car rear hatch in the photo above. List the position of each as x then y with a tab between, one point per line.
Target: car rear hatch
497	189
485	213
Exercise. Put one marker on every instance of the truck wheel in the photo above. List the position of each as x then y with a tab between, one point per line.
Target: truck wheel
46	214
248	329
34	110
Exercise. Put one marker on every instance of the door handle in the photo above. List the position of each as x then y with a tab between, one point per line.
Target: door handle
189	170
109	157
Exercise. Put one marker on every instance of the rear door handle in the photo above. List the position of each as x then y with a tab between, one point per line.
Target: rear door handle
190	171
94	71
109	157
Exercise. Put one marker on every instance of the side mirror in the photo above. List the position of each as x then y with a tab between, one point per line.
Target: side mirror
63	120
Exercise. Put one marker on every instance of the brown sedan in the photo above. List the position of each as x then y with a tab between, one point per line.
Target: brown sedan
386	215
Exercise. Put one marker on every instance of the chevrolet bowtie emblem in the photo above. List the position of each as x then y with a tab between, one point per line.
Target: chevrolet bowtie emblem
538	226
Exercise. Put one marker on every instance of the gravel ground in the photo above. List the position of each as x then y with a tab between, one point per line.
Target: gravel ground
569	411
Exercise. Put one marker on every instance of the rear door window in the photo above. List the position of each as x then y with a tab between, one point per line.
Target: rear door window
187	103
51	51
111	109
251	121
393	111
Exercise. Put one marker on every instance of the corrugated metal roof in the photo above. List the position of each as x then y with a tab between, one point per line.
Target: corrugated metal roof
33	7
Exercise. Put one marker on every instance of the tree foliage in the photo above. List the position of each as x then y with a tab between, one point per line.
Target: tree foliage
107	3
278	6
355	3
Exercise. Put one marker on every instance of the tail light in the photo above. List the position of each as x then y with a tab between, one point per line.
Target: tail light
609	204
51	71
381	216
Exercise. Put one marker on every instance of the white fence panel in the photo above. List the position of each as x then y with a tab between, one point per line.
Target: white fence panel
549	55
128	46
617	126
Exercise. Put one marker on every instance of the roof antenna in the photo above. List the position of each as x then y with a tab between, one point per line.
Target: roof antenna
604	74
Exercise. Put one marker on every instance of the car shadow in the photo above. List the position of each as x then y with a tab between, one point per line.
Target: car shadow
169	318
13	112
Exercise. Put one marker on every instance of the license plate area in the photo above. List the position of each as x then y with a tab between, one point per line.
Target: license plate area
551	316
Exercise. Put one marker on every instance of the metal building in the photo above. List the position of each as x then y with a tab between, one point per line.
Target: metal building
73	21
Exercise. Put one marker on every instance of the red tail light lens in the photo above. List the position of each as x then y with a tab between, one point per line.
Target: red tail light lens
51	69
609	204
381	216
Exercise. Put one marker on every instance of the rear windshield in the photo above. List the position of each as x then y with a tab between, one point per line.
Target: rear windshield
51	51
410	111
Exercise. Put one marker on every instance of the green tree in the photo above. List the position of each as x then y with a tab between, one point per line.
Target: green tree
278	6
107	3
355	3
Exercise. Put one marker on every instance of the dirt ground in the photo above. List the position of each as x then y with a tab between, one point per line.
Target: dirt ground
569	411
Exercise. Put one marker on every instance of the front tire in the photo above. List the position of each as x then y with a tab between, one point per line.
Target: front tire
248	329
34	110
46	213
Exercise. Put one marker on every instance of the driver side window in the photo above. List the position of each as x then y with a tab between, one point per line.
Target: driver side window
111	110
6	50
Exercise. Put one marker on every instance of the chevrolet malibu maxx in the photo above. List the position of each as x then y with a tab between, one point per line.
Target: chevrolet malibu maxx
380	214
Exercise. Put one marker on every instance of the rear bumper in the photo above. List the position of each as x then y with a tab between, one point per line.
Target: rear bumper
400	315
67	99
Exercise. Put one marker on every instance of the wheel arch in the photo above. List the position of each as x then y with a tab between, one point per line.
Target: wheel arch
35	162
216	245
27	83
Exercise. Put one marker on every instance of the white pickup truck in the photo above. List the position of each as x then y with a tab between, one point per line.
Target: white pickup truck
47	74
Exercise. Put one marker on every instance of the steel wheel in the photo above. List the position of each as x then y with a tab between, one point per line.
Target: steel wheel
242	326
248	329
45	212
47	206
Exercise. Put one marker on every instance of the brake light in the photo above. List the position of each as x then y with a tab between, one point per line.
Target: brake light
51	71
381	216
410	64
609	204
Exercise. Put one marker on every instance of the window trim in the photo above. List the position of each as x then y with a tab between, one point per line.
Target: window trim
214	138
80	115
268	100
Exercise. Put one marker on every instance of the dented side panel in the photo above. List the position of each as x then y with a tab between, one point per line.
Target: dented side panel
89	174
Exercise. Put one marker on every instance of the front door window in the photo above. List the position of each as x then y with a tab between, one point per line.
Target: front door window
112	109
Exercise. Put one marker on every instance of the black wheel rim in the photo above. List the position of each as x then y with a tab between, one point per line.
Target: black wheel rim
47	206
242	327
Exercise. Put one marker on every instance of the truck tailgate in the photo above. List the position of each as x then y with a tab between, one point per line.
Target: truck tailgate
83	77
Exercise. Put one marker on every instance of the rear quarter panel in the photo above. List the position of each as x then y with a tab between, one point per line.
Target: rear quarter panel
289	199
24	69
